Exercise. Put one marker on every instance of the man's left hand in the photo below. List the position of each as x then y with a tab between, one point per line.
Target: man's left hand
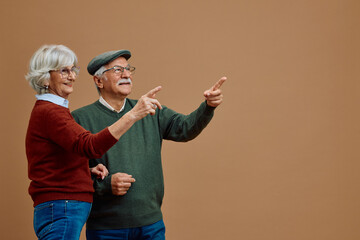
214	95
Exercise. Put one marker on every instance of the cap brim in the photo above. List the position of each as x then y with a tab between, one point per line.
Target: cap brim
97	62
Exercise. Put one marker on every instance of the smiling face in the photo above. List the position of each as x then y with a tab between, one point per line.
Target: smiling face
114	83
61	86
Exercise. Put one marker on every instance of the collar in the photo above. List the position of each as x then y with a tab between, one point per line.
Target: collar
103	102
54	99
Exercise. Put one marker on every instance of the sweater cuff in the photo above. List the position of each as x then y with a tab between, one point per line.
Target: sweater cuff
107	184
208	110
103	187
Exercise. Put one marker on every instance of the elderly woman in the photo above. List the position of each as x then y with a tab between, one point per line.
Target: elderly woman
58	149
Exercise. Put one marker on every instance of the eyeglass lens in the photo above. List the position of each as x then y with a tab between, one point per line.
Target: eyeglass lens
66	72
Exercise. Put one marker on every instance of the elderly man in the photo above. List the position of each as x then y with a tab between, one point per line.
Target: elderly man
124	208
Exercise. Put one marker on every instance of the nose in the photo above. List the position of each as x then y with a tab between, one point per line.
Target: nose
126	73
72	76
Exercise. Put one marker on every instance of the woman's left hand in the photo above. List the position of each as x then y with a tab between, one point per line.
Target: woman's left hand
100	171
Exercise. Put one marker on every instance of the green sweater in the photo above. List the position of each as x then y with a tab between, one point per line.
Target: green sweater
138	153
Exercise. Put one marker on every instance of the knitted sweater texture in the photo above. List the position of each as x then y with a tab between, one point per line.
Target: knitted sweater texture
138	153
58	151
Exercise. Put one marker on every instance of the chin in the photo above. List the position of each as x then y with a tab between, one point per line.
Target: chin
125	93
68	93
126	90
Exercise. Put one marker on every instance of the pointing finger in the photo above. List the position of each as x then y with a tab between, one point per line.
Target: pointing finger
152	93
218	83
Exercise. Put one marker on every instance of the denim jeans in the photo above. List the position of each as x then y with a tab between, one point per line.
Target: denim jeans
154	231
60	219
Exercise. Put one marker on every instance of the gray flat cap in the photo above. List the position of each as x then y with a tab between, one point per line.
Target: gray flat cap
104	58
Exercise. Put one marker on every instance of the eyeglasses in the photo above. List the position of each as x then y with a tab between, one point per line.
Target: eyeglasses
119	69
65	72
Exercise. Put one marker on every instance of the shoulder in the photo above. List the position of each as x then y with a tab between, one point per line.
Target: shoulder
85	110
47	112
49	108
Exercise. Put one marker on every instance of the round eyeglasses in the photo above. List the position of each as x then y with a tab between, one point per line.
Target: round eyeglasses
66	72
120	70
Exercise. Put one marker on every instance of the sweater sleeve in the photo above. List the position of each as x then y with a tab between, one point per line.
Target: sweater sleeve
181	128
64	131
101	186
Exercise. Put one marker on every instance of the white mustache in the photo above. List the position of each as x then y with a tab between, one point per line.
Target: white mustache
124	80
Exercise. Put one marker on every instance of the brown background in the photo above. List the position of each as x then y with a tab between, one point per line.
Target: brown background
280	160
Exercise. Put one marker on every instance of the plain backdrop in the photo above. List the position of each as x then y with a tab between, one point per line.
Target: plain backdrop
279	160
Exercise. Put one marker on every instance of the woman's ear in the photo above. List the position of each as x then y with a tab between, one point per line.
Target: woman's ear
47	84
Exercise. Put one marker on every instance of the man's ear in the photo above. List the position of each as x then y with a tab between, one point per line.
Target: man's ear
98	82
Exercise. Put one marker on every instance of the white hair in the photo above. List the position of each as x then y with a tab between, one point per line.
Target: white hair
45	59
99	73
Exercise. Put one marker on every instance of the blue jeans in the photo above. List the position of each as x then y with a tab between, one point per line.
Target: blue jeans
60	219
154	231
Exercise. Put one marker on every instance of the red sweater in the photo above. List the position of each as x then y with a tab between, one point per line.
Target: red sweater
58	150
